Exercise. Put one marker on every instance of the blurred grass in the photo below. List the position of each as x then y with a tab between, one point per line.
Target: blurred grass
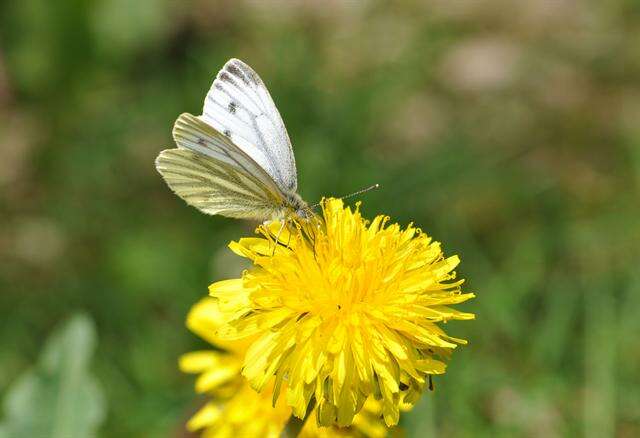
507	130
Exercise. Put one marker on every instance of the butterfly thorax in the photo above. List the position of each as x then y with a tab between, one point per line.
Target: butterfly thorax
294	206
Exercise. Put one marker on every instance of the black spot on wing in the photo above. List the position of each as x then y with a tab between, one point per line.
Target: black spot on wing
227	133
232	107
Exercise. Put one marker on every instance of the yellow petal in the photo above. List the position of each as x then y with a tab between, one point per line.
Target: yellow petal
215	377
198	361
205	417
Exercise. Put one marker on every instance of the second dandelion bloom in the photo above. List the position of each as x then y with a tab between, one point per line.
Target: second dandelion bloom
348	314
234	408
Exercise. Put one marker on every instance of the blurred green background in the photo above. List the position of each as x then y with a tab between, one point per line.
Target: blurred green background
510	131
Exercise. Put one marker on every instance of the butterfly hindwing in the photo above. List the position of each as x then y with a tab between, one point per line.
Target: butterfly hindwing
212	174
193	133
214	186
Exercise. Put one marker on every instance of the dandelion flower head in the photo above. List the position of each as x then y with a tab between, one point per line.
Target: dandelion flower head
346	315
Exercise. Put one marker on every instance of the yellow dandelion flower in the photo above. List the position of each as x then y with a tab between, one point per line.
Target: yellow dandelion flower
349	314
235	409
368	423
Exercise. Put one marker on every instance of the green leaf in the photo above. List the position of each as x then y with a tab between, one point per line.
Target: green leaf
58	397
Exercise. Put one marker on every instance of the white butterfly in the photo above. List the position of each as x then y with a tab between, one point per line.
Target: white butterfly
235	159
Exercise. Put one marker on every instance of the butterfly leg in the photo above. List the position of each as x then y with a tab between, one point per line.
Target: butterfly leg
278	237
289	239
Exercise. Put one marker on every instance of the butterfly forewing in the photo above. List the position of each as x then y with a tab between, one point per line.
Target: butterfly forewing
239	106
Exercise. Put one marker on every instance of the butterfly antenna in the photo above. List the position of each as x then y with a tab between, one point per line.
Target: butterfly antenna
375	186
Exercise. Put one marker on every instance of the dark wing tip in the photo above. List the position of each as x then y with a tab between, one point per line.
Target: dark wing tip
240	70
235	61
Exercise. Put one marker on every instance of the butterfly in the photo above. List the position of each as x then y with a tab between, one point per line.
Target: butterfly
235	159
